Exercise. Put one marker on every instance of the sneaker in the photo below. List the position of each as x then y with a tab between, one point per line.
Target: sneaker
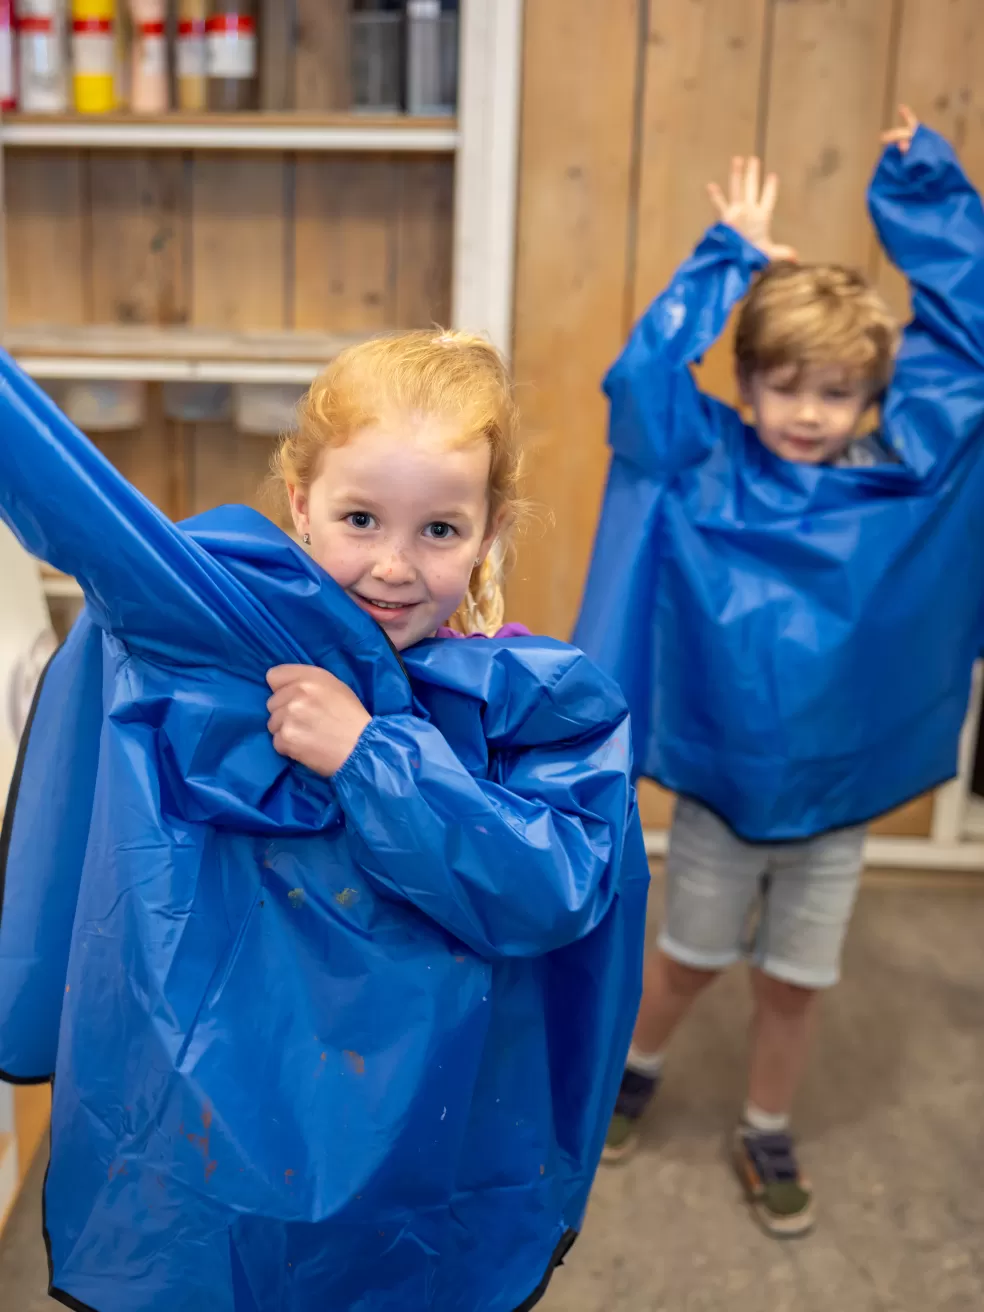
634	1096
779	1195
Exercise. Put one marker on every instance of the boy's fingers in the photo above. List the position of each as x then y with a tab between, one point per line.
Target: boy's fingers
752	181
737	177
717	198
900	137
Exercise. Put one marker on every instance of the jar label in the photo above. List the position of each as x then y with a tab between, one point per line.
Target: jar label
231	46
191	59
42	89
152	55
94	53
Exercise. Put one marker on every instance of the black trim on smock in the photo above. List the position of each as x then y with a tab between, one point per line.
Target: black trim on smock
7	831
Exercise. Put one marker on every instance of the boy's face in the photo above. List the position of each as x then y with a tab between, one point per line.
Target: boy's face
806	413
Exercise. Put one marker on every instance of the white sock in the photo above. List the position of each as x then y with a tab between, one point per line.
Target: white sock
644	1063
765	1122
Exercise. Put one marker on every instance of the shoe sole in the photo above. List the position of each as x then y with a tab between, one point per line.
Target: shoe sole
620	1154
779	1227
783	1227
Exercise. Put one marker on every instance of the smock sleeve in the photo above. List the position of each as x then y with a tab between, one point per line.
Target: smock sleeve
930	221
660	420
521	862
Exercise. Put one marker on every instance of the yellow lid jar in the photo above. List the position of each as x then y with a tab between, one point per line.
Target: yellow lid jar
94	55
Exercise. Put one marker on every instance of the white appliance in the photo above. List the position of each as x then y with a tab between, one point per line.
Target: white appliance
27	643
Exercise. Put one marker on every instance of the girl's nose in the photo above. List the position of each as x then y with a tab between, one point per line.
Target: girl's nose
394	567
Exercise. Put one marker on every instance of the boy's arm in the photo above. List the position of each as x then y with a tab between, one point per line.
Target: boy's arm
659	418
930	221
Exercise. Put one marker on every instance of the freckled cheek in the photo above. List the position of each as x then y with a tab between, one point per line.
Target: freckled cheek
346	561
447	578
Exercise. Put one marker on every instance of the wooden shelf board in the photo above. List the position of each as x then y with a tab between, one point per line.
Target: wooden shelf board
165	354
112	341
246	131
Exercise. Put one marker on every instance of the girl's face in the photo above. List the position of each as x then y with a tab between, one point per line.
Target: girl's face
398	516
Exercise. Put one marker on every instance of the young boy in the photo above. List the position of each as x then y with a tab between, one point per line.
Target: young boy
792	609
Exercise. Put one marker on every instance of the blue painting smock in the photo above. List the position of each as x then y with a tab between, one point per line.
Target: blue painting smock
345	1043
796	641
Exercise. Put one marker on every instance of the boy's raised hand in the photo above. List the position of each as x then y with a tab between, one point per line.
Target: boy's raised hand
749	207
902	136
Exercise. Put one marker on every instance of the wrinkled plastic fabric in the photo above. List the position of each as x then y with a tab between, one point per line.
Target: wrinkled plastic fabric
796	642
317	1044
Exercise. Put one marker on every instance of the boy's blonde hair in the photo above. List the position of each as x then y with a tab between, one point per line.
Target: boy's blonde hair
809	314
456	378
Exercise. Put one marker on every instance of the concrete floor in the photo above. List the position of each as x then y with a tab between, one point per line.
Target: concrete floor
891	1127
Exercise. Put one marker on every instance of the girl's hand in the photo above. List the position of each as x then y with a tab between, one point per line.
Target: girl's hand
902	137
314	718
749	208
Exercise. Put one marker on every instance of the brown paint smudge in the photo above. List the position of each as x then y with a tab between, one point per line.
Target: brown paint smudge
201	1141
357	1064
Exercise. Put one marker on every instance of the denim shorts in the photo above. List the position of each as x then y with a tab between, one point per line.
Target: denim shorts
783	906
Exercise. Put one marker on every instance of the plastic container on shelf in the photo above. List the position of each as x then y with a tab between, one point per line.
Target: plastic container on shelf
42	56
432	56
377	35
105	407
190	60
8	58
95	56
197	403
149	87
233	66
267	409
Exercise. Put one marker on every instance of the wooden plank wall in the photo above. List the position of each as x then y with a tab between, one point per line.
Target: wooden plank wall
629	108
233	242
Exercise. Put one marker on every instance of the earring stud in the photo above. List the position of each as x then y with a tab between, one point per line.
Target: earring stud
306	539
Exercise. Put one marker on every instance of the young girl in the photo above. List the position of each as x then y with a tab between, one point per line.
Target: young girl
337	989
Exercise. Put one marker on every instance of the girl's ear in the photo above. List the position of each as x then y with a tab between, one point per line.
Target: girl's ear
495	525
299	508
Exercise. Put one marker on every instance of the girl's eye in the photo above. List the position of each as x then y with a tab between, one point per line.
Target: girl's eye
361	519
440	531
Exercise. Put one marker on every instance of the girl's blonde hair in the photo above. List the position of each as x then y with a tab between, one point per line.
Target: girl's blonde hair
807	314
456	378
